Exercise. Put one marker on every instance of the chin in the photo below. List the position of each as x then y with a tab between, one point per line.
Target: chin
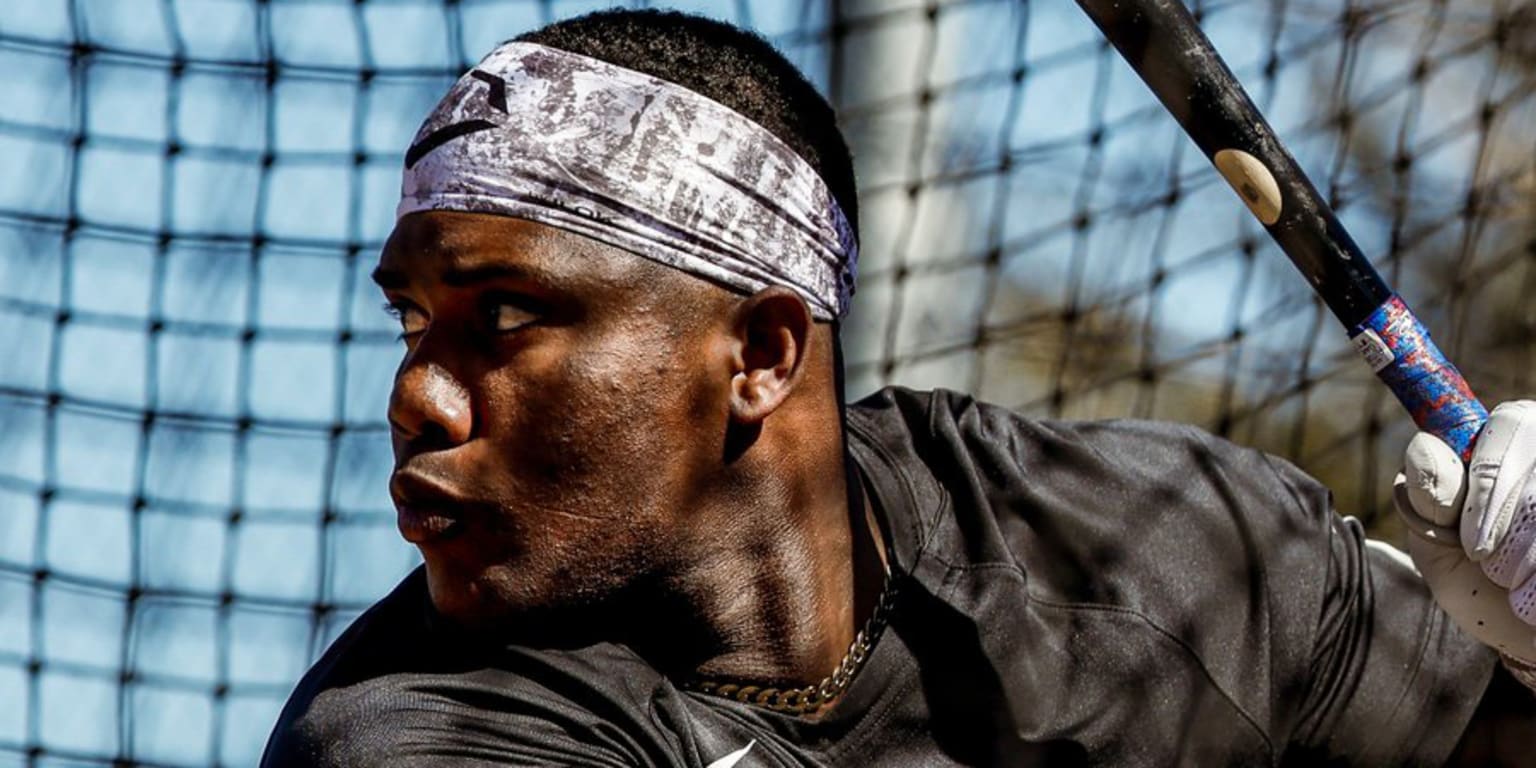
468	599
523	603
492	597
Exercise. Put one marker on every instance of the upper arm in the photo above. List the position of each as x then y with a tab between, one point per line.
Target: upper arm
1362	667
1382	677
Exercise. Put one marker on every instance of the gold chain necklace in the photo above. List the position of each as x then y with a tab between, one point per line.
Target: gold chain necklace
799	701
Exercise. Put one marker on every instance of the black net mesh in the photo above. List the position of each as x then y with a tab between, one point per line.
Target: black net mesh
192	454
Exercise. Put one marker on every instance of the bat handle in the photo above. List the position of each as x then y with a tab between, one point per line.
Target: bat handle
1397	346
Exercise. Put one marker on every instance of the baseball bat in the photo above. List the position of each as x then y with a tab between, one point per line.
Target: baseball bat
1164	44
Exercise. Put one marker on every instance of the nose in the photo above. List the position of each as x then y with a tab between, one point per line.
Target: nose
428	402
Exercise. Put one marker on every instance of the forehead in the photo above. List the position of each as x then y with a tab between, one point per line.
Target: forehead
440	246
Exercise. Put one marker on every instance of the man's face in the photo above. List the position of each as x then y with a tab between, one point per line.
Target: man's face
553	412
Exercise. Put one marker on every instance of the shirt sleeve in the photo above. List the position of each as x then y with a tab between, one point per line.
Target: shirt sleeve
1387	678
1329	645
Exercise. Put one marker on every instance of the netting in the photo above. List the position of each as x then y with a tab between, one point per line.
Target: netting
193	461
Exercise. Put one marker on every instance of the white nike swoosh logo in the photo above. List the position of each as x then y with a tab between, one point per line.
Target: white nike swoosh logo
733	758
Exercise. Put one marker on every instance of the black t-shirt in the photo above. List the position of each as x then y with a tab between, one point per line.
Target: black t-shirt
1110	593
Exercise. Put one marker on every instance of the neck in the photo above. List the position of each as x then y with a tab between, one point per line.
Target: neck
787	569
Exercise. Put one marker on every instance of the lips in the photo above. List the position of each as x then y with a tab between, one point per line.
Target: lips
423	526
426	512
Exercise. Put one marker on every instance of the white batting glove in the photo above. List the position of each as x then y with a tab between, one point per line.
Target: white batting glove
1475	530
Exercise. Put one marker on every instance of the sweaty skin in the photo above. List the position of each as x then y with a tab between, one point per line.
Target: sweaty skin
591	446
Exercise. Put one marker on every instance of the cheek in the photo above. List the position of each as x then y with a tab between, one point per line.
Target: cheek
620	415
621	401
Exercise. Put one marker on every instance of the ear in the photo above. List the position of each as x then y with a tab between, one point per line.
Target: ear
772	330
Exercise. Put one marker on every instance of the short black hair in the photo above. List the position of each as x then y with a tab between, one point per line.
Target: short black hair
732	66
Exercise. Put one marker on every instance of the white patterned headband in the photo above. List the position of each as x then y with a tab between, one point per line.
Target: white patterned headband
635	162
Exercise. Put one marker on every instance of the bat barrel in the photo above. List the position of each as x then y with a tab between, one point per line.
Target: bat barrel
1161	40
1164	44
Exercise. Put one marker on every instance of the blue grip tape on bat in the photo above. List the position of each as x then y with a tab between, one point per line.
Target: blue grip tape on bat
1398	348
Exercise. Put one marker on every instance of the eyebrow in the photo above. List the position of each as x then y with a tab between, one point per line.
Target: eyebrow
394	279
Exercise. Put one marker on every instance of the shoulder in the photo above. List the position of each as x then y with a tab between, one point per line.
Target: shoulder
1102	465
1144	515
393	691
527	709
940	417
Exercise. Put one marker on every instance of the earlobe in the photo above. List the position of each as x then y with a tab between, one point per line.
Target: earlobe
772	328
750	398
